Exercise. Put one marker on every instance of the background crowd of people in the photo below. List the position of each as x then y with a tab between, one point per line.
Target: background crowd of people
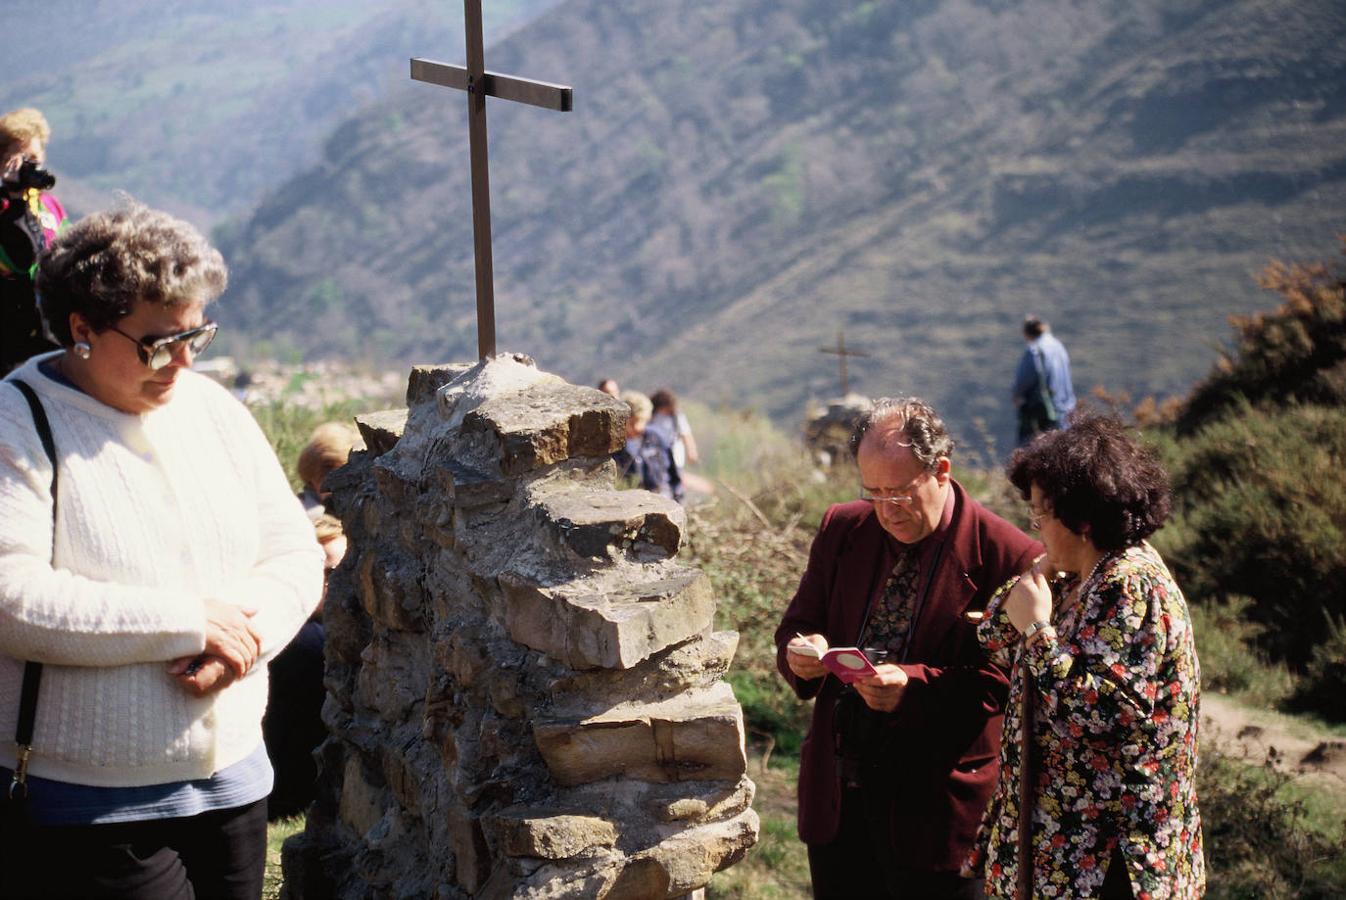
659	443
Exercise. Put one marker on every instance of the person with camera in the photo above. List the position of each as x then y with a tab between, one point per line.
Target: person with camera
30	217
897	769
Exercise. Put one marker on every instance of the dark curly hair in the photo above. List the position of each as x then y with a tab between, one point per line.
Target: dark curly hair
1097	479
100	266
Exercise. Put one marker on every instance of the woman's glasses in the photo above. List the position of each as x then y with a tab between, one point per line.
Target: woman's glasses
157	352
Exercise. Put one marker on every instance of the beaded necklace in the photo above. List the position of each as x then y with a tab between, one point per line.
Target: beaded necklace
1082	587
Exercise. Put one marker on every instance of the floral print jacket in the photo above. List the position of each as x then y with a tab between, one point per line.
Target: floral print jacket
1115	698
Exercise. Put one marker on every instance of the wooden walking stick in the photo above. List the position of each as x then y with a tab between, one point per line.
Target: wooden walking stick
1027	775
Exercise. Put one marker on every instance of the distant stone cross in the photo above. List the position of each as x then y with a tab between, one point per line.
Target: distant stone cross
841	351
480	84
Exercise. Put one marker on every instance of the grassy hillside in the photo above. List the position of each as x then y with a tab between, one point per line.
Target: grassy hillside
739	179
204	107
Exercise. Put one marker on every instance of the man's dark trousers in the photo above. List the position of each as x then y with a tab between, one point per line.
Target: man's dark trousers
858	864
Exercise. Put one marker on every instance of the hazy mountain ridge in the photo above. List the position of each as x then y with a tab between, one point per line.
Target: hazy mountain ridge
739	180
202	107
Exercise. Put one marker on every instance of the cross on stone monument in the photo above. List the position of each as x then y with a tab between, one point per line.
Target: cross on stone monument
480	84
841	351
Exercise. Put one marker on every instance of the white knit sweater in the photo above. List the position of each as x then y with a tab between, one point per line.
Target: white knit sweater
157	513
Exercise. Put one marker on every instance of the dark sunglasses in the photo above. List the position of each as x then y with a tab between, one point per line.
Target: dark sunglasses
157	352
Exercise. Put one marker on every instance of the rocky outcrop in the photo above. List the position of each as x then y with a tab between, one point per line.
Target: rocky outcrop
525	691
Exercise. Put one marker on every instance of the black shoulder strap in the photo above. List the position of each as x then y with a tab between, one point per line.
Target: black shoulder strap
44	434
32	671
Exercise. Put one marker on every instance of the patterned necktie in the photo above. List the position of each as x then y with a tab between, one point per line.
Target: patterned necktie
889	626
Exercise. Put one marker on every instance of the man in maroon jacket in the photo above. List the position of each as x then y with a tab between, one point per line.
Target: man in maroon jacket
897	769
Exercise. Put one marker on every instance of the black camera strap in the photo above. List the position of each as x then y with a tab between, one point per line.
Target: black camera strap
924	596
32	671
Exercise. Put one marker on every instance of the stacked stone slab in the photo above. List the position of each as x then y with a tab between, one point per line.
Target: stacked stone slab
525	692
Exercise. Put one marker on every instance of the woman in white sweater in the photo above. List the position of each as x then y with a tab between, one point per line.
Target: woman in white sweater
178	562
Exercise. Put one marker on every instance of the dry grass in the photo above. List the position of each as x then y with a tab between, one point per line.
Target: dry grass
276	833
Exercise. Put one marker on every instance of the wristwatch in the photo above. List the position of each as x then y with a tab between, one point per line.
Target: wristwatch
1034	629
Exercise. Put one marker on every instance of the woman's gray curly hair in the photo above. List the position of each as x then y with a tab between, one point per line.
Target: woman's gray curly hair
100	266
912	422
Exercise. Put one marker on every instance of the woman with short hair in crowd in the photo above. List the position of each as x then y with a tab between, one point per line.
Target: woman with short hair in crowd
677	431
152	574
1105	686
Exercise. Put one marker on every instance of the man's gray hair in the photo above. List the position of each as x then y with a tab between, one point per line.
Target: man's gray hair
912	423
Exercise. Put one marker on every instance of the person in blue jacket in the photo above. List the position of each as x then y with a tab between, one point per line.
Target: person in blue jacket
1042	392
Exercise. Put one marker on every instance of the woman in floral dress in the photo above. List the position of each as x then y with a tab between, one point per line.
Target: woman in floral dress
1104	682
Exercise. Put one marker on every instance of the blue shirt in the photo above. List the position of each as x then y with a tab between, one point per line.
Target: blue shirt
61	803
1055	362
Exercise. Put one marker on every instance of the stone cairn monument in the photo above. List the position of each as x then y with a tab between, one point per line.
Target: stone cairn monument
525	694
827	432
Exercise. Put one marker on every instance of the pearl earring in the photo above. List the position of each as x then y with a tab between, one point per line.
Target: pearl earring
83	349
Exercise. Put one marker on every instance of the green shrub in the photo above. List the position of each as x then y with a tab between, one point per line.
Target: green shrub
1296	352
1261	512
1256	453
1322	690
1230	662
1260	841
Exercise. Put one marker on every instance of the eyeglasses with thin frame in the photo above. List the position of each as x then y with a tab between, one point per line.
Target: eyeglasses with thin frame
157	352
901	497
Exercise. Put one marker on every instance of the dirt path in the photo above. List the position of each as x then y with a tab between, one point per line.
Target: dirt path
1257	735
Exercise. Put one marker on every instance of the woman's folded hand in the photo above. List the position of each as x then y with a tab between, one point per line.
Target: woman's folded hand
201	675
230	636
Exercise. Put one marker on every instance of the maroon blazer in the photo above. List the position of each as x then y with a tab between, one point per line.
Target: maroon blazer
947	724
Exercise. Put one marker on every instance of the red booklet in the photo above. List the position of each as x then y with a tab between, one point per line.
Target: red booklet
847	663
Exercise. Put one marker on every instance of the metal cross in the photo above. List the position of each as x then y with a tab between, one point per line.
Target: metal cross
480	84
841	351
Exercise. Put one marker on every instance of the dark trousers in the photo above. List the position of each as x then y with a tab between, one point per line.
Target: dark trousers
859	864
218	855
1033	421
293	726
